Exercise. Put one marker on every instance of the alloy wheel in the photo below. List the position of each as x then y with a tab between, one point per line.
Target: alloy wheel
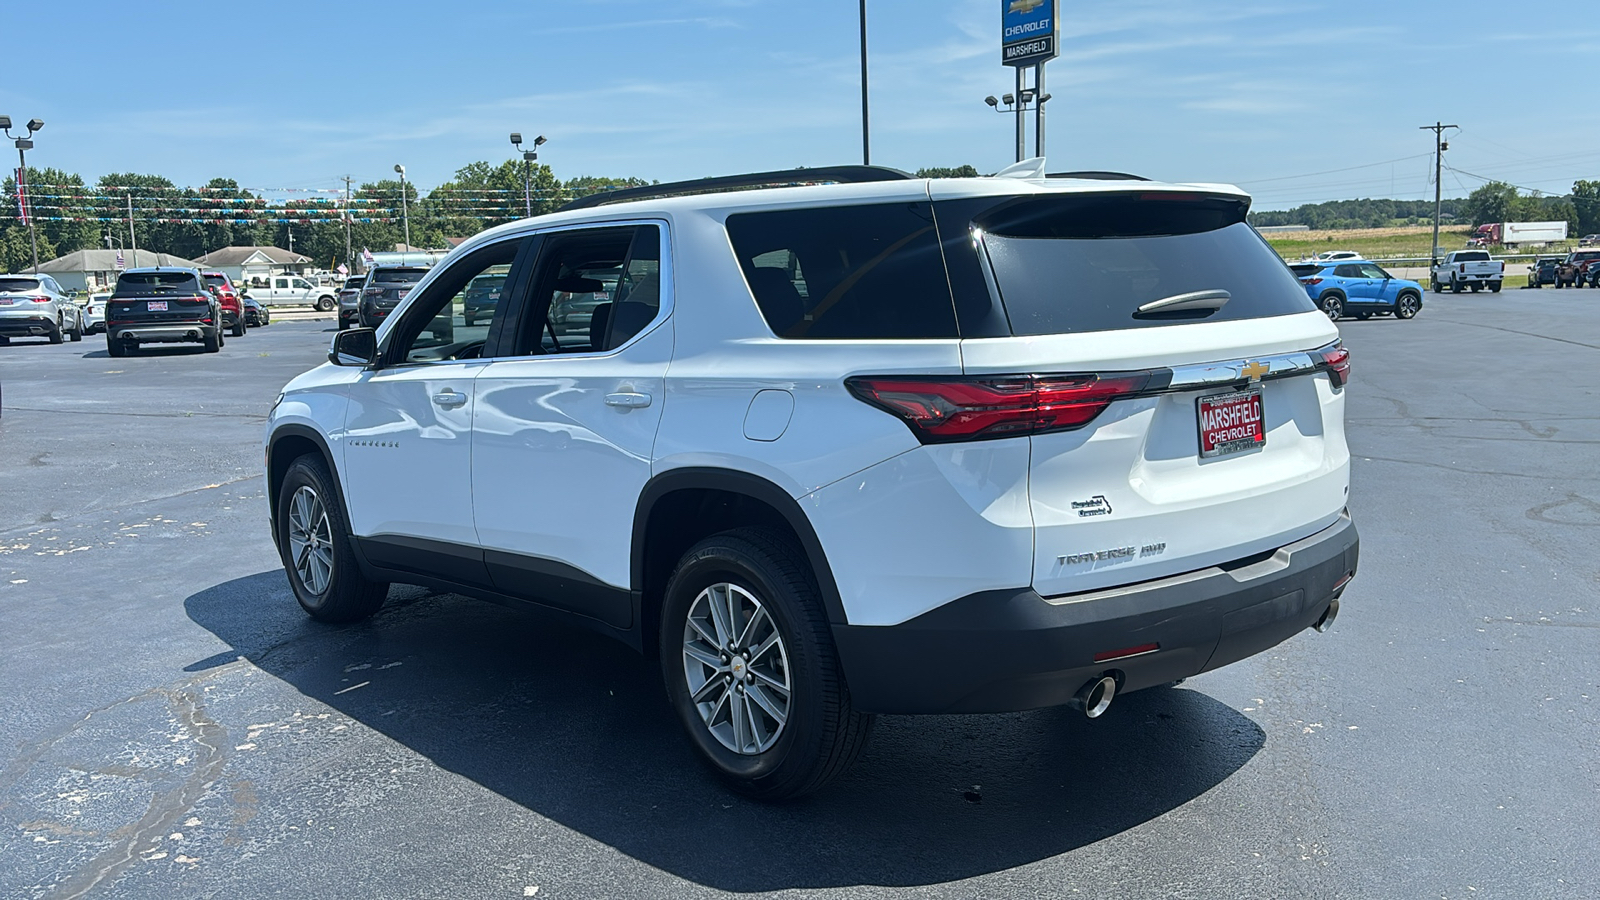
736	667
310	540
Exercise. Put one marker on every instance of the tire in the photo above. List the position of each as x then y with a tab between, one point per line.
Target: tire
1406	306
758	570
1437	287
238	327
56	335
324	304
1455	286
1476	287
1332	304
116	348
1363	316
76	334
1494	287
213	341
317	524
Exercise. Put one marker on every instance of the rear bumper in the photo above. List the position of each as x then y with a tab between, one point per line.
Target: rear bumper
165	333
25	326
1002	651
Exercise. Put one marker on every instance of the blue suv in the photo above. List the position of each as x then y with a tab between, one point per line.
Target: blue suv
1358	288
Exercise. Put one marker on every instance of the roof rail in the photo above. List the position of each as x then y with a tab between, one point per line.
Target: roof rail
1098	176
784	178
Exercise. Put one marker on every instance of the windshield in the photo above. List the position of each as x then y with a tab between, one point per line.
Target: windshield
18	285
1088	263
137	284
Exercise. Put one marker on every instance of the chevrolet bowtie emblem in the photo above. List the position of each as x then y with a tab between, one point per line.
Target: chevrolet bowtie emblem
1254	370
1025	6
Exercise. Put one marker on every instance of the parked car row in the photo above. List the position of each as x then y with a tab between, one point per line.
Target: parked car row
36	306
152	305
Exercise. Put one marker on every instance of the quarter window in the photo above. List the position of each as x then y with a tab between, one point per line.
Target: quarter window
864	272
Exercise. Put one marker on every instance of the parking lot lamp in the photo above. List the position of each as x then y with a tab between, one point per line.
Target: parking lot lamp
24	144
528	157
405	214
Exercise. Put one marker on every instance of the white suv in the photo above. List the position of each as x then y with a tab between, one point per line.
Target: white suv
882	445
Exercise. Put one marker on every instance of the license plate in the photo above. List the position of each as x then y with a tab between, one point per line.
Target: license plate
155	305
1231	423
6	302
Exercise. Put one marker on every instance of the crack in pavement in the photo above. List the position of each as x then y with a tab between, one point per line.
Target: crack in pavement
8	530
1523	333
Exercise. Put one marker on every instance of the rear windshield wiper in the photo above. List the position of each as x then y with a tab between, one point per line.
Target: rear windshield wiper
1194	302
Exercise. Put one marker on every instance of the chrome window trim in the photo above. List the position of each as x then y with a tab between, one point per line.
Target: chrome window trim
1226	372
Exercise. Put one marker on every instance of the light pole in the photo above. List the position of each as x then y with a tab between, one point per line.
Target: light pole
24	144
405	214
1016	104
528	156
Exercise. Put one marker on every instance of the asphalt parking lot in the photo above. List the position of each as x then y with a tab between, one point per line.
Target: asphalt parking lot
175	726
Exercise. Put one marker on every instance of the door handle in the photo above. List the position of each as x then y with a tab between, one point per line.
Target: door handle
628	400
449	399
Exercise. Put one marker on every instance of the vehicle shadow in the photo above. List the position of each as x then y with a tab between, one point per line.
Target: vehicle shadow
576	728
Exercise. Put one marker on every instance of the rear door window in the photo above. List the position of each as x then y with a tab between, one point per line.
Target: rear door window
1088	262
846	272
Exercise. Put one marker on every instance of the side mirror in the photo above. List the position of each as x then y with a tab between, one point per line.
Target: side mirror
356	347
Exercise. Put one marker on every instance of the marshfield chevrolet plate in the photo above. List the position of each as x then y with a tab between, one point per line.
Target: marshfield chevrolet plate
1231	423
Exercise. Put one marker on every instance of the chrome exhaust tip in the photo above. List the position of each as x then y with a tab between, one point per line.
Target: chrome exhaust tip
1326	622
1095	697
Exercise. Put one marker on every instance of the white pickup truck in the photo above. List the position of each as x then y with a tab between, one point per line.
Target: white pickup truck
292	290
1473	269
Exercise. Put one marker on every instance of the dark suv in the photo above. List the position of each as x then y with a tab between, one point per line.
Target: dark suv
162	306
383	290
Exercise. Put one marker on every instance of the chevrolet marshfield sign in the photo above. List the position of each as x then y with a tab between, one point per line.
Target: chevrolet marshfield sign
1028	31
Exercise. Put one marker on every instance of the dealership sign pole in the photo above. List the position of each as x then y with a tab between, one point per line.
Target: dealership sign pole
1029	37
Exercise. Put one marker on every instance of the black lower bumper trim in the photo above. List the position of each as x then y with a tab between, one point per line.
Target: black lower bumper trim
1003	651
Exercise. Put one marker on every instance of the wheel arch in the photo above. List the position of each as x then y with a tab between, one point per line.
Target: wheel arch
289	443
712	500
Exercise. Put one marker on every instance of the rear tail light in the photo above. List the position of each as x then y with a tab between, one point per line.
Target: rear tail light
963	409
40	299
372	292
1311	281
1336	360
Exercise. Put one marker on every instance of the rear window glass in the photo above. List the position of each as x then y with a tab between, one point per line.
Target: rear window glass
398	276
217	280
134	284
1472	256
19	285
1087	263
863	272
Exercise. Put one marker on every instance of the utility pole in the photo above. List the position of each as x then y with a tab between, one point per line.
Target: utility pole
24	204
348	258
1439	146
133	239
866	132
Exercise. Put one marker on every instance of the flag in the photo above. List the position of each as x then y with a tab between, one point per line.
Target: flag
343	269
366	256
121	264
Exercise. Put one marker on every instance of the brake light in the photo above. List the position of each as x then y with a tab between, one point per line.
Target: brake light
1463	266
40	299
1336	360
1311	281
372	292
958	409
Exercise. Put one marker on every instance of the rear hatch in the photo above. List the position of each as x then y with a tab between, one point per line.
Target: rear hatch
388	287
158	297
1188	397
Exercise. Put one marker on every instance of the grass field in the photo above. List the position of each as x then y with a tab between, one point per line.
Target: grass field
1373	243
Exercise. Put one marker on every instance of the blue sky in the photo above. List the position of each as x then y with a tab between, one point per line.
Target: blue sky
1262	94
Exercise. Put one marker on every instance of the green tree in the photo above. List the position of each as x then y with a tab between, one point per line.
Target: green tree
16	253
1586	202
958	172
1494	202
